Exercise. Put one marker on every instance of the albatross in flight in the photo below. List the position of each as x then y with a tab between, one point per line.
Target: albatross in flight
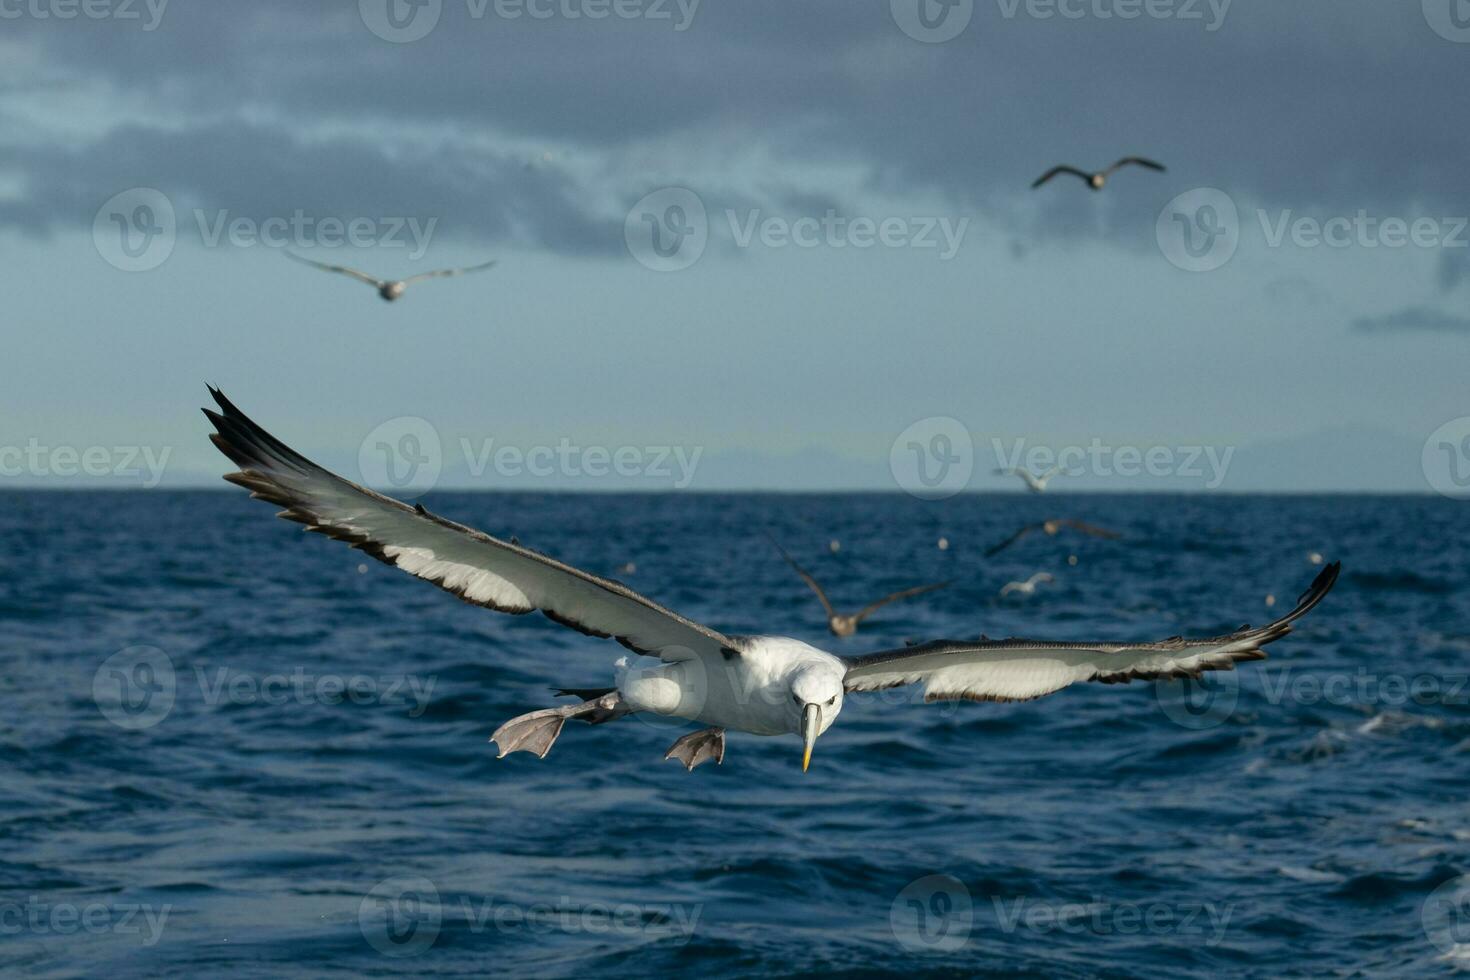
1036	483
1052	527
764	685
839	624
1027	587
1097	181
389	289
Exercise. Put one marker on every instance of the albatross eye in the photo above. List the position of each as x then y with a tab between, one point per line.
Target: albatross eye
832	699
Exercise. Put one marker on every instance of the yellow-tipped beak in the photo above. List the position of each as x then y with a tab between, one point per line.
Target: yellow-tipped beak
811	724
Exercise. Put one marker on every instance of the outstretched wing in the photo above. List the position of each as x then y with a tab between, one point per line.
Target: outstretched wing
1055	171
1091	529
344	270
805	577
499	575
1136	162
446	273
1031	480
1020	670
997	549
873	607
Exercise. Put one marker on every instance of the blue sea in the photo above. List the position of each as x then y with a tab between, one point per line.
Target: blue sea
231	749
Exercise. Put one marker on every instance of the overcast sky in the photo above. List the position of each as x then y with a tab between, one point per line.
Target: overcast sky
779	234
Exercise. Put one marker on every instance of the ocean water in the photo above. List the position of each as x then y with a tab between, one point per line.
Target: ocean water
186	791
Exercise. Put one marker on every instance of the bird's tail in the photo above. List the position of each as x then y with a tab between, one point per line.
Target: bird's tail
585	693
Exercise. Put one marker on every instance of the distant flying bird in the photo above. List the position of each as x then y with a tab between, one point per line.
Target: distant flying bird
389	289
762	685
1036	483
1027	587
1051	527
839	624
1097	180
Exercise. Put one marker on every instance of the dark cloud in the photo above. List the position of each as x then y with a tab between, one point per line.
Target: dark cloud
1454	268
1316	105
1414	319
259	172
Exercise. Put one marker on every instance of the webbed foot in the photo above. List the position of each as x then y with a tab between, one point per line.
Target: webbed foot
701	746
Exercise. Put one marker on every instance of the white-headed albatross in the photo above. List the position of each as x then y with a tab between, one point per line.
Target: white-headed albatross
764	685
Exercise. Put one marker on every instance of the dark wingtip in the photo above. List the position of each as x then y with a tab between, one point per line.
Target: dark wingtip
1315	593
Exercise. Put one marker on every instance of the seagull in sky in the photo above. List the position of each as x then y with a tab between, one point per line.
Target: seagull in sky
1097	181
842	625
389	289
1036	483
763	685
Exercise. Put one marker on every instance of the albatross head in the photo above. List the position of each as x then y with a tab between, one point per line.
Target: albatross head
392	290
1097	181
816	699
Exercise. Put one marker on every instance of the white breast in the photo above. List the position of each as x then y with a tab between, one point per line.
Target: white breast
748	693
